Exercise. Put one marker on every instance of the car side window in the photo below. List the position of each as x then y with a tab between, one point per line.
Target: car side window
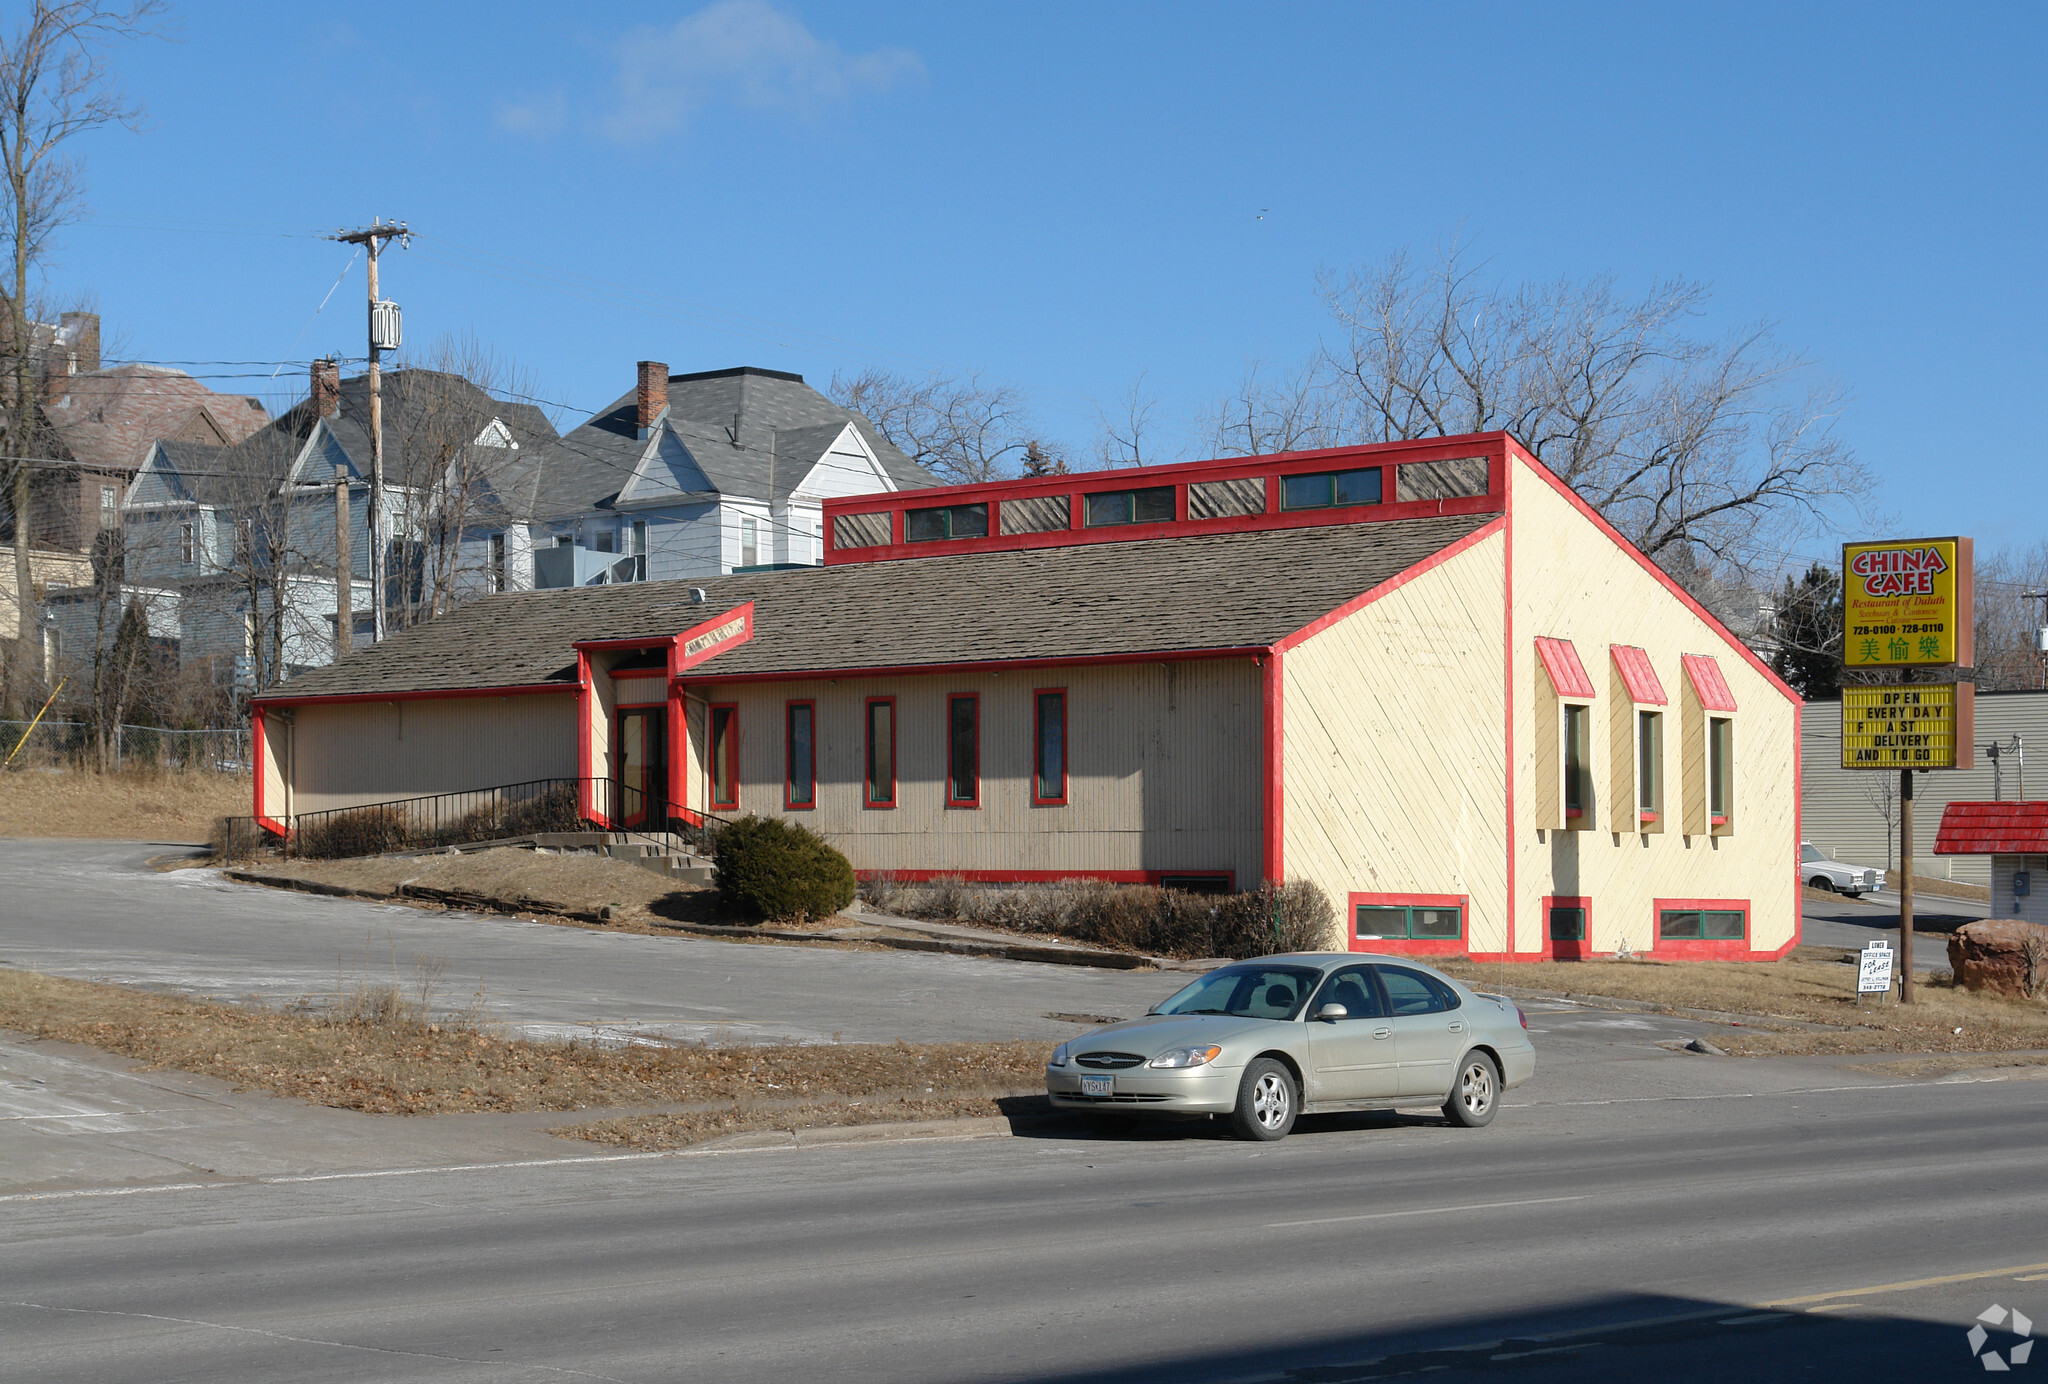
1351	987
1409	992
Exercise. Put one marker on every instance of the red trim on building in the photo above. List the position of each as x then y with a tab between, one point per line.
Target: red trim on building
1705	675
679	755
867	732
1567	950
431	694
1507	664
1644	686
1392	584
1409	946
1228	877
789	802
1002	665
1038	746
1273	727
585	699
732	754
260	758
1999	828
1567	674
975	699
1704	948
714	630
1648	565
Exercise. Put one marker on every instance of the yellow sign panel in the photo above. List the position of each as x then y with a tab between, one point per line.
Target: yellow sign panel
1906	603
1914	726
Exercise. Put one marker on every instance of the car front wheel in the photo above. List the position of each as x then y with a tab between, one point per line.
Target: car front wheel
1477	1094
1266	1102
1822	883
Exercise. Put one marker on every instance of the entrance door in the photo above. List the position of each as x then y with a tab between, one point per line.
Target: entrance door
1353	1058
1429	1029
643	767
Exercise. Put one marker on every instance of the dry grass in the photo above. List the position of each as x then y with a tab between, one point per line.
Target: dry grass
124	807
1796	992
387	1059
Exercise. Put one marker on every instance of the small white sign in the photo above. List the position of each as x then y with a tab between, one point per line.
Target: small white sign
1874	976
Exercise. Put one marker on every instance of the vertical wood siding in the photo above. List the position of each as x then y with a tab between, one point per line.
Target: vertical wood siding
1162	769
350	753
1571	582
1396	772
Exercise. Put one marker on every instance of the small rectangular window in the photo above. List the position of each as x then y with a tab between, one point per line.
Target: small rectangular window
601	541
750	542
1049	741
1702	924
1567	924
963	751
1152	505
1330	489
1578	781
800	754
185	532
639	550
110	507
725	746
861	530
1649	765
881	752
1720	766
951	521
1433	922
497	562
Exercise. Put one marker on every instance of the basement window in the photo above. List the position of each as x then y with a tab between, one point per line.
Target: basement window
1374	922
948	522
1702	924
1567	923
1330	489
1152	505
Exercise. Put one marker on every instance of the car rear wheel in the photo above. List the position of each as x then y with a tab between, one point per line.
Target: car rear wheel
1266	1101
1477	1094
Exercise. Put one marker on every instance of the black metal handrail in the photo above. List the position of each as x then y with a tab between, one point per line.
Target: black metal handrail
479	814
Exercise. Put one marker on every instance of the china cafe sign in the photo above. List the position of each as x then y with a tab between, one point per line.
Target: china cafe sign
1908	604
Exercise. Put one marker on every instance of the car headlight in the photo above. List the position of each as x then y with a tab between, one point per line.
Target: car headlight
1059	1056
1186	1057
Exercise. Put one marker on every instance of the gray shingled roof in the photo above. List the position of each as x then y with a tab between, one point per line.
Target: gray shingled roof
1149	596
784	426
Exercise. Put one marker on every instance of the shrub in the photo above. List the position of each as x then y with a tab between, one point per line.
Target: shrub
1294	916
772	869
365	831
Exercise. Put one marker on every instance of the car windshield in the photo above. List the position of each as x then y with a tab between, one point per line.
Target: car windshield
1246	992
1810	853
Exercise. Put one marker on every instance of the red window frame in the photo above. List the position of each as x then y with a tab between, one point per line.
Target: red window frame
867	763
1038	746
1700	948
1566	949
1409	946
732	797
789	800
953	699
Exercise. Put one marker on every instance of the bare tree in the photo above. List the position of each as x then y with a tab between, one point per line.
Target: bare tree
959	428
54	86
1881	791
1720	446
1126	436
1295	412
2007	660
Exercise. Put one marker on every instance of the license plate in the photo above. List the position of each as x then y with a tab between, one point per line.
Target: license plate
1097	1085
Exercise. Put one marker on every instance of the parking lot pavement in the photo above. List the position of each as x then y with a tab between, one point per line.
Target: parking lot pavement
1844	922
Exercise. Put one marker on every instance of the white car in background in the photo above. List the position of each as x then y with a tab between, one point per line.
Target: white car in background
1819	872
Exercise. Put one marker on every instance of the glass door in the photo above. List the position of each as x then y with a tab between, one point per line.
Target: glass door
643	768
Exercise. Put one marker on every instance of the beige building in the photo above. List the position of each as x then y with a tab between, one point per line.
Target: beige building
1424	675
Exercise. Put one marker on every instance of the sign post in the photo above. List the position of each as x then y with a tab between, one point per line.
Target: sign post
1908	603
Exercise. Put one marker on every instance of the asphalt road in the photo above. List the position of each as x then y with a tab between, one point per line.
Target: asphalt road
1844	922
1738	1235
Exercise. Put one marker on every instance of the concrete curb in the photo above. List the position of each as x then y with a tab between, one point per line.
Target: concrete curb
822	1136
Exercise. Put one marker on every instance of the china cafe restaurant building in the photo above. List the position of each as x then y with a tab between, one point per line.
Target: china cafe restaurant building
1424	675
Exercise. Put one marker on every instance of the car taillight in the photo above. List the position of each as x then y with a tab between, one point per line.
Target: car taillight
1520	1015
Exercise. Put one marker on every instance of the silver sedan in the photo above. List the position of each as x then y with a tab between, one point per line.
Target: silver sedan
1268	1040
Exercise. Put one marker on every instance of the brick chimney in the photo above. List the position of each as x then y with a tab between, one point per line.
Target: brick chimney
327	386
651	402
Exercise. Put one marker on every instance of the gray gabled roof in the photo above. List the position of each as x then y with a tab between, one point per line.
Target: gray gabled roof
1162	595
750	432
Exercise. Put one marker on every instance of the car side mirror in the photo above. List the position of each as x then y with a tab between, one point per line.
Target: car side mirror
1332	1011
1153	1010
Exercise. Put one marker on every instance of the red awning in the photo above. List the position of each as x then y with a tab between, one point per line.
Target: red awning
1708	682
1567	674
1993	829
1643	686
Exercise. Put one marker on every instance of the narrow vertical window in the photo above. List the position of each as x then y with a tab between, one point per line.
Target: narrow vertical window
1649	765
725	735
188	543
1720	764
1576	779
881	752
800	783
1049	748
639	550
497	562
750	542
963	751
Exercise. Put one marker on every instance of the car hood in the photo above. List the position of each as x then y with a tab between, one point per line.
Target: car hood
1155	1033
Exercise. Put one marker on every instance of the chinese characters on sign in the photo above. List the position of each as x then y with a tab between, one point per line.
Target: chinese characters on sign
1916	726
1907	603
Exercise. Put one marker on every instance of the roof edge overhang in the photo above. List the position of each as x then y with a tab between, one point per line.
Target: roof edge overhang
415	694
998	665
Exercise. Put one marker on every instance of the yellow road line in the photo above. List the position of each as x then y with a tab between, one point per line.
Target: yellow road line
2013	1272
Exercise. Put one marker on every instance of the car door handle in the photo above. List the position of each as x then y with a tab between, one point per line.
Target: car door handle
1458	1026
1383	1033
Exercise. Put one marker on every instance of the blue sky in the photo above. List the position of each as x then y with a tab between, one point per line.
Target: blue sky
1066	198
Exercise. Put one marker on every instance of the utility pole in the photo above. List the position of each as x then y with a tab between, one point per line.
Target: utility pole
2040	632
344	570
384	336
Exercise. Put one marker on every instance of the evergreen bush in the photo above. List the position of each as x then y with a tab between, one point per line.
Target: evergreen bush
776	870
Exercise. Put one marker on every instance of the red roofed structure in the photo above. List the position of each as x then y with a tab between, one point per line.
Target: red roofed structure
1567	674
1708	682
1993	829
1644	687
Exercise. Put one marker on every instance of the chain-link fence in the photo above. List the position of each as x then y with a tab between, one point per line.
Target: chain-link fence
71	744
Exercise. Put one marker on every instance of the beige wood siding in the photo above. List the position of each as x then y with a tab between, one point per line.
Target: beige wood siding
1395	770
349	753
1163	769
1570	582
